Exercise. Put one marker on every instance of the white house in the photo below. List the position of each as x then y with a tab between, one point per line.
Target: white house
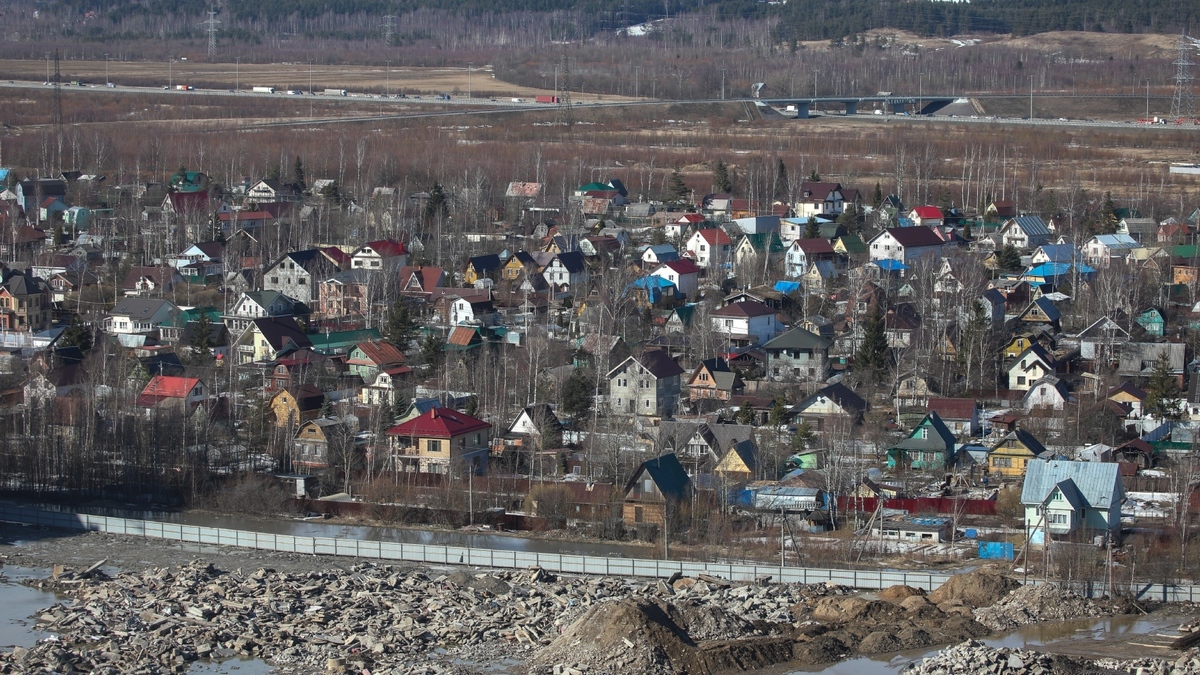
1024	232
659	253
709	248
1102	248
645	385
746	322
904	244
926	216
758	224
253	305
819	199
134	316
1062	498
1032	365
384	254
1048	392
566	269
802	253
685	274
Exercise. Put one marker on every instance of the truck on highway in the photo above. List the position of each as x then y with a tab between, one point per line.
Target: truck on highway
335	92
184	87
263	90
547	99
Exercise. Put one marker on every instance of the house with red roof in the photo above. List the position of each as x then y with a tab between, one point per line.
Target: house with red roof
422	281
440	441
803	253
183	394
960	415
684	273
181	204
382	255
819	199
710	248
926	216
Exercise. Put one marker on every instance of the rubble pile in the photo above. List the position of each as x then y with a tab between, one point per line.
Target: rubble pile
370	617
974	657
1035	604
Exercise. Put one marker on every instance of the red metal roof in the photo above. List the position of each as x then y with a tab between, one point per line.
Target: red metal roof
387	248
816	246
952	408
928	212
682	266
715	236
162	387
439	423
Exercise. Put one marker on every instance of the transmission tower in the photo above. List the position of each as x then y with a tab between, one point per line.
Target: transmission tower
389	29
1183	103
211	29
56	113
564	114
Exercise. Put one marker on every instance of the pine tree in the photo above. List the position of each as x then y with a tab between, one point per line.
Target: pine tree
437	205
877	199
778	414
1162	392
804	437
1008	259
1108	216
201	342
745	414
781	182
721	181
677	190
811	229
814	176
298	173
400	328
77	335
577	395
431	351
874	355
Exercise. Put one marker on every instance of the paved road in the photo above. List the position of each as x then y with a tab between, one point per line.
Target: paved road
462	106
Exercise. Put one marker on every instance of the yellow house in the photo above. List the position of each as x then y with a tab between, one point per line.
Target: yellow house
296	405
738	464
440	441
1014	452
514	270
1016	346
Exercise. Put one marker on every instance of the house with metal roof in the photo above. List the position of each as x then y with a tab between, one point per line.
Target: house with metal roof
648	385
440	441
930	446
1024	232
1064	498
1102	248
1017	451
797	355
655	491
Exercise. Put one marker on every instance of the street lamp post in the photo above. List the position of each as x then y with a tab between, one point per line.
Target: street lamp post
171	72
387	87
237	76
310	77
107	82
722	84
637	81
469	64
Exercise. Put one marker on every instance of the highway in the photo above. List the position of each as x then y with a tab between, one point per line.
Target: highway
463	106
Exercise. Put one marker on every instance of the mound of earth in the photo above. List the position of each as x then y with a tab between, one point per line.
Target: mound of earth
854	608
899	592
629	636
981	588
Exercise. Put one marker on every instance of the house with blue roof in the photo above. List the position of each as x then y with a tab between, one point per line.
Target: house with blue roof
1024	232
1102	248
1065	498
1055	253
659	253
1054	273
653	290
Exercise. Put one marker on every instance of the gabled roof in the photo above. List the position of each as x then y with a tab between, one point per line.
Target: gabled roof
463	336
715	237
278	331
1047	308
912	237
817	192
840	394
1116	241
1026	439
427	278
139	308
573	261
386	248
683	266
439	423
315	261
952	408
941	438
1058	253
667	473
816	246
520	189
1126	388
1096	483
1032	226
746	309
931	212
68	375
163	387
482	264
658	363
797	338
379	353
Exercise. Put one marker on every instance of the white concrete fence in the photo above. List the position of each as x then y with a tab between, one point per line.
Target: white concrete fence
485	557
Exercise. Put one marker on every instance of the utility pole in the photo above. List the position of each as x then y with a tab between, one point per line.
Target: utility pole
637	76
212	33
237	76
106	80
1183	103
469	64
387	92
722	84
310	77
171	72
1030	97
1147	98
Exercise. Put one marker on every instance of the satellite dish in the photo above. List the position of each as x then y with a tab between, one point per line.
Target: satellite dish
756	88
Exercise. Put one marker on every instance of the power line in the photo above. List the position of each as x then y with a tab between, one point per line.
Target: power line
389	29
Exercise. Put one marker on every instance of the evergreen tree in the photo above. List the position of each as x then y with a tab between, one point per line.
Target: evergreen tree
437	205
400	328
814	176
1162	392
1108	220
1008	259
850	219
77	335
877	199
811	229
721	181
677	190
577	395
778	415
874	355
804	438
298	173
431	351
745	414
201	341
781	183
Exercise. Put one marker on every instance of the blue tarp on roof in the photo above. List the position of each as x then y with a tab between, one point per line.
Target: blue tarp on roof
889	265
655	286
787	286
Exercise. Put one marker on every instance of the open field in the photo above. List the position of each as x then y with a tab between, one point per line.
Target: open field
285	76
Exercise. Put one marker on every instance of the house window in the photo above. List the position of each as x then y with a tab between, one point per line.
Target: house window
1002	462
433	446
1020	380
302	281
274	280
648	486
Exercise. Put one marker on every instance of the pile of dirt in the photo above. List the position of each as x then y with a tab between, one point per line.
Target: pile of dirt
898	593
1035	604
630	636
710	622
981	588
853	608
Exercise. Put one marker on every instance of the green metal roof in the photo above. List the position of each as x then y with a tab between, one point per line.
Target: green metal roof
341	341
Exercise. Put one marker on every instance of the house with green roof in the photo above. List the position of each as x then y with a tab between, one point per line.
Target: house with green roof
850	245
930	446
337	343
172	330
189	181
749	252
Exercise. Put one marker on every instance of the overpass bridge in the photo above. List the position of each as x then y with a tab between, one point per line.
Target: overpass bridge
896	104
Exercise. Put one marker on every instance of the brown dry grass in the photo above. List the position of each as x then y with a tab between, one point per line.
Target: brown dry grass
284	76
